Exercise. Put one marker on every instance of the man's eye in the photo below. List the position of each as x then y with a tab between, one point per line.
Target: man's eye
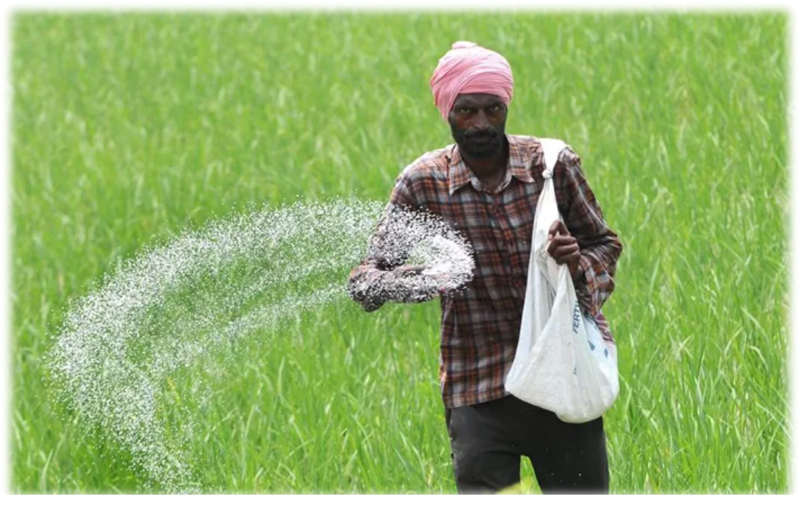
495	108
464	110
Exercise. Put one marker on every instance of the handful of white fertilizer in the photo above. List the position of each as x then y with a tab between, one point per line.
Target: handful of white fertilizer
433	258
444	256
443	268
448	266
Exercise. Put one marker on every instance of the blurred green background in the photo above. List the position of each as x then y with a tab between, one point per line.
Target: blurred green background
128	128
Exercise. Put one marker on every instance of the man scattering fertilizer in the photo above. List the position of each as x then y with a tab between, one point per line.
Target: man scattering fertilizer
486	186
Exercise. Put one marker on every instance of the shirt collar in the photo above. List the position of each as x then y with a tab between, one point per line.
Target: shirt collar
520	158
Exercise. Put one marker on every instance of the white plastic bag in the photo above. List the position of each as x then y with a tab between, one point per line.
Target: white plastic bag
562	362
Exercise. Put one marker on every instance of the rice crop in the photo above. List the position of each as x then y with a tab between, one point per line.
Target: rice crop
134	131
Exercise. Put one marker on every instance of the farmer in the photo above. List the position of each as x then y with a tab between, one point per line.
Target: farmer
486	185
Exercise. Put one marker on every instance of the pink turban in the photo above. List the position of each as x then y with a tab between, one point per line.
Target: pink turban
470	68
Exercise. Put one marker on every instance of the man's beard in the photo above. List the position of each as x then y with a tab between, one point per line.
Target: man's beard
480	143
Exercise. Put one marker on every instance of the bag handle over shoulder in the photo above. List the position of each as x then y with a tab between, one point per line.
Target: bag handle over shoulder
551	148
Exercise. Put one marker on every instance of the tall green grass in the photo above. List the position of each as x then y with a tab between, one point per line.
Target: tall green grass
128	128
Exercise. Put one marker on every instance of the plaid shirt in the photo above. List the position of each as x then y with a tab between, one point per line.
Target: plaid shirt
480	325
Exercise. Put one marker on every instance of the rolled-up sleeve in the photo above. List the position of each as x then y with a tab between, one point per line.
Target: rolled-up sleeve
600	246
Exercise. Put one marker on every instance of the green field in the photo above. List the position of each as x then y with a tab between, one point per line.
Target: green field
130	128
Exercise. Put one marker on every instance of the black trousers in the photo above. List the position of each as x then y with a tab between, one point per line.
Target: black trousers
488	439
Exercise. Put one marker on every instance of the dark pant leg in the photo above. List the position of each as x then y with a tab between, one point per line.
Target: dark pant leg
485	458
566	457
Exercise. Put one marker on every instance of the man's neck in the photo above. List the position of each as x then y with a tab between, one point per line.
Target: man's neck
486	168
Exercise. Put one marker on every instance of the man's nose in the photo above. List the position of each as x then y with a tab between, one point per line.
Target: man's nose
481	121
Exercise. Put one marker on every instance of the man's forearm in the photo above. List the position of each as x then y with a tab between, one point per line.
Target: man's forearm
371	286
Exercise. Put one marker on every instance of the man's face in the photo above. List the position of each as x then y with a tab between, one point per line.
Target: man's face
478	123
